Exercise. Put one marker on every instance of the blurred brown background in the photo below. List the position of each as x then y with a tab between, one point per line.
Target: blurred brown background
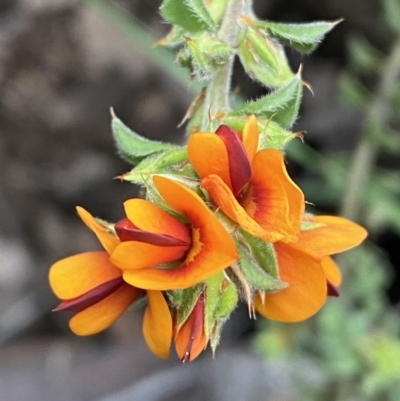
62	65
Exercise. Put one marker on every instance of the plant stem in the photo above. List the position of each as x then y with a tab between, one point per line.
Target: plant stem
366	151
217	93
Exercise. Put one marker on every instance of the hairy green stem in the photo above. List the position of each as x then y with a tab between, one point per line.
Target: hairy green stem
366	151
217	93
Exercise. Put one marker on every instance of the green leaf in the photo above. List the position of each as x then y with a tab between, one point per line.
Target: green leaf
259	70
264	59
273	136
303	37
133	147
220	300
273	102
184	301
191	15
255	274
262	252
175	37
170	162
282	106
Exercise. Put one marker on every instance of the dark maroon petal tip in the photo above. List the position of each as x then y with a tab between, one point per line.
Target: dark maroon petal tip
332	290
239	164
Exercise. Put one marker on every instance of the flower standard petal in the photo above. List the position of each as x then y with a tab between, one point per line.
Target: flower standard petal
104	313
108	240
306	291
76	275
336	234
208	155
148	217
273	199
157	324
212	248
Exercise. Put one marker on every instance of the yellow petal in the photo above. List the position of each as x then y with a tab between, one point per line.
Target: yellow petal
108	240
157	324
103	314
306	291
73	276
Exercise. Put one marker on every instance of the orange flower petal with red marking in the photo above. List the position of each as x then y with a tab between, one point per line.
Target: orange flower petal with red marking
250	137
273	200
157	324
148	217
332	271
75	275
108	240
208	155
104	313
212	249
222	196
337	234
306	291
132	255
190	340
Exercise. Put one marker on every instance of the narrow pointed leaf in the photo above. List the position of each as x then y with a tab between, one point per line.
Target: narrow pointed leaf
227	301
303	37
173	161
273	102
133	147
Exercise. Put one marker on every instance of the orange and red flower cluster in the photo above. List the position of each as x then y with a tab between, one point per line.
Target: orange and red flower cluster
179	260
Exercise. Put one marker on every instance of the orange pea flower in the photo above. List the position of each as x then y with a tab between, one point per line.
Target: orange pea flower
252	187
190	339
308	269
160	252
92	287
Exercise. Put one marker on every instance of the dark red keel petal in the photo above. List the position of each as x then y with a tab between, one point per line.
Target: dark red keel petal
332	290
196	321
126	231
239	164
91	297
